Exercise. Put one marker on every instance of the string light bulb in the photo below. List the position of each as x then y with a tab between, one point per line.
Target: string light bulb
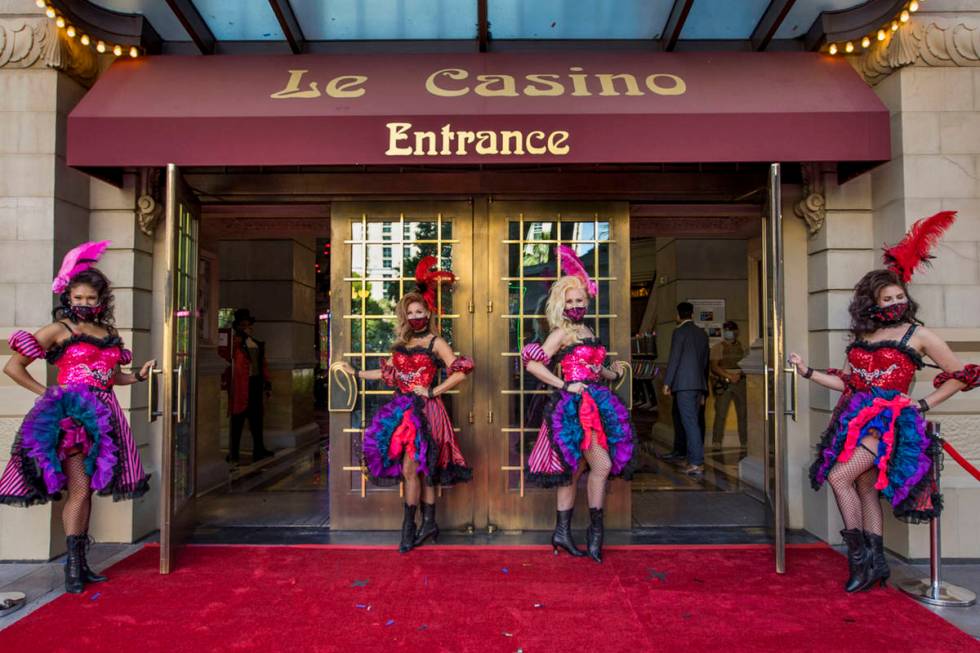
49	12
832	49
133	52
894	25
904	16
41	4
100	46
914	6
60	22
71	31
865	42
117	50
85	39
849	48
881	35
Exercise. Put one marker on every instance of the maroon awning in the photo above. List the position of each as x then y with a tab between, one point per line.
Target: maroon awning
568	107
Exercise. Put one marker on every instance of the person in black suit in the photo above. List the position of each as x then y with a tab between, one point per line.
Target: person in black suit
687	382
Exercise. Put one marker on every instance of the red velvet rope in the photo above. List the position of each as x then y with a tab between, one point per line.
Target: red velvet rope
964	463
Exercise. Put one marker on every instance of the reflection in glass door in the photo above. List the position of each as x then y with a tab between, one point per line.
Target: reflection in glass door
525	237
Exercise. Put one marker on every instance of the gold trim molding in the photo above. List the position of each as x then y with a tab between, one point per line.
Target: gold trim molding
38	43
927	41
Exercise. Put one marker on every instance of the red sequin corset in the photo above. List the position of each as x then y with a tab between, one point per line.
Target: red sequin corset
889	365
87	360
413	366
583	362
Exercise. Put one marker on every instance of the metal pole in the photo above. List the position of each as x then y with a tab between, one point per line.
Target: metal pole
932	590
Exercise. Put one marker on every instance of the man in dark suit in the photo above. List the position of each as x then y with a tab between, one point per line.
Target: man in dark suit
687	382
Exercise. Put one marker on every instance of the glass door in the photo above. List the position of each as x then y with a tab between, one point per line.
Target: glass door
523	239
376	247
178	368
777	391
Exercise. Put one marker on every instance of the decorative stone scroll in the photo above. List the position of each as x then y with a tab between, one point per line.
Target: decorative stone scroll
37	42
929	42
813	207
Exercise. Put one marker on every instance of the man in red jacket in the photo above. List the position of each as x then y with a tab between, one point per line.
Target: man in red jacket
247	381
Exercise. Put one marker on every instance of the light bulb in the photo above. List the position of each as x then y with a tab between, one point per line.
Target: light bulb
100	46
832	49
50	12
914	6
40	3
881	35
894	25
117	50
865	42
133	52
849	48
60	22
71	31
904	16
85	39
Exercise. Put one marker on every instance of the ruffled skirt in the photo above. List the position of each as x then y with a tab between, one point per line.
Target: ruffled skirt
419	427
569	425
905	449
66	418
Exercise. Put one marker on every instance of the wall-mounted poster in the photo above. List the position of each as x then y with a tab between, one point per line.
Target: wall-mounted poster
709	314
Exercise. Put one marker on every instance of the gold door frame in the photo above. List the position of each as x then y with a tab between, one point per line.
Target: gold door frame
179	369
524	507
355	504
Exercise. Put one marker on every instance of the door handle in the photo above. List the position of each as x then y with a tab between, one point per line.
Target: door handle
180	393
792	412
151	412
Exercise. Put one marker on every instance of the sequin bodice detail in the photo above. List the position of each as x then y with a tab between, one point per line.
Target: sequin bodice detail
583	362
87	360
887	365
413	366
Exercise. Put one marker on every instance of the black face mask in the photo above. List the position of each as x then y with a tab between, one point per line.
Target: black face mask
84	313
889	315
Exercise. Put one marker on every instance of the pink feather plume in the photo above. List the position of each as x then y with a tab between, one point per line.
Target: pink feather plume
77	260
572	266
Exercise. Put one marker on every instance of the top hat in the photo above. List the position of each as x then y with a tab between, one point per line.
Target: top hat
243	315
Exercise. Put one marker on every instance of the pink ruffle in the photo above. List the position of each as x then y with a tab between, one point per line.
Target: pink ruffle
462	364
534	352
857	424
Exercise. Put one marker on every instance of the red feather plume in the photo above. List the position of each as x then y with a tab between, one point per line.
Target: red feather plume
905	258
428	280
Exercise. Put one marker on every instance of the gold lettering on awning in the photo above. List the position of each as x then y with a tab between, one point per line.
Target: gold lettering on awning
403	140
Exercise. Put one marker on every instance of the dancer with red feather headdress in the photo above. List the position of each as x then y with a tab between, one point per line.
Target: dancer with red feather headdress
411	438
75	438
877	442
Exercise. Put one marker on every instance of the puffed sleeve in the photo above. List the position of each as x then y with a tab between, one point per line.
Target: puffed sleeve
968	376
534	352
25	344
126	357
462	364
388	373
840	374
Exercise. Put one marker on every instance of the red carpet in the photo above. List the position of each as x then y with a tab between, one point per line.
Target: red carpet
482	599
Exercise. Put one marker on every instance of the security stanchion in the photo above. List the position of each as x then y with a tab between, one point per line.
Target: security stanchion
932	590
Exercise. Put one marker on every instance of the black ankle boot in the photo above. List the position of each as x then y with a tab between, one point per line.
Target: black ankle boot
88	575
562	537
857	559
408	529
877	567
74	584
429	526
595	533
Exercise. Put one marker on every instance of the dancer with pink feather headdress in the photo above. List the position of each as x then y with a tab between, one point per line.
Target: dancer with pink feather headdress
584	423
75	438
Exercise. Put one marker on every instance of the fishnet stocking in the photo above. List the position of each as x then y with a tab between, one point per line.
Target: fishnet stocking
853	486
78	506
599	466
412	485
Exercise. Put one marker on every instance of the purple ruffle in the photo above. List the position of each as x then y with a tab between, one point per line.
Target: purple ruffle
377	439
622	450
41	434
566	431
